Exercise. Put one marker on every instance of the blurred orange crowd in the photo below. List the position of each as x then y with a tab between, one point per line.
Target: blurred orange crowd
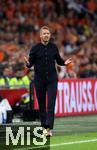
73	25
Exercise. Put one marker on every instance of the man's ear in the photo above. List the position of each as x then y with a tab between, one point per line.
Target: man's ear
40	35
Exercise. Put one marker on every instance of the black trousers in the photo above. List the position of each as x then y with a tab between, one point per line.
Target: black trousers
46	114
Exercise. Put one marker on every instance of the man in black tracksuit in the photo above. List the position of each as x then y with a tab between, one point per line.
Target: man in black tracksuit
43	57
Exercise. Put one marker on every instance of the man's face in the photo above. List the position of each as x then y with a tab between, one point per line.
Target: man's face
45	35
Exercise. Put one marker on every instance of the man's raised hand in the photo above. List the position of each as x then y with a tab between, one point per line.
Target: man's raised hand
26	60
68	61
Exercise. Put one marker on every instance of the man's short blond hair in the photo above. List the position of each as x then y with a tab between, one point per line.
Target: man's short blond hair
44	28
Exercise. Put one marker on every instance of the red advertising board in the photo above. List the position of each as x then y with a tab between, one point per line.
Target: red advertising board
75	97
13	95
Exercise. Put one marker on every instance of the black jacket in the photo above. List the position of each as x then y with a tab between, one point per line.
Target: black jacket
43	58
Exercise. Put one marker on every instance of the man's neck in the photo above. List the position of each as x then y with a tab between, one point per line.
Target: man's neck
44	43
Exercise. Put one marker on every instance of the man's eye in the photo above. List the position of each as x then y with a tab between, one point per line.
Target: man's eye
46	33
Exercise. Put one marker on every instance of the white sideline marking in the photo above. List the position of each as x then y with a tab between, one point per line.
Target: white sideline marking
60	144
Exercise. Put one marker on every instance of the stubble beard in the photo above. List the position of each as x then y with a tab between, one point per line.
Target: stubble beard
45	41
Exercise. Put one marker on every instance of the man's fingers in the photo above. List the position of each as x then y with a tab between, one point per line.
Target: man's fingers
26	60
68	61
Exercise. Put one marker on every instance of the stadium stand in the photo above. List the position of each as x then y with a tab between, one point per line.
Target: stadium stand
72	28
